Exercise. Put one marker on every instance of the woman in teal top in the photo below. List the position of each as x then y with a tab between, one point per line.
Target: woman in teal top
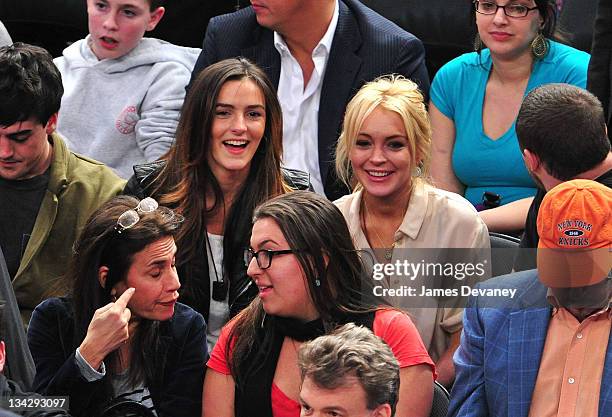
475	99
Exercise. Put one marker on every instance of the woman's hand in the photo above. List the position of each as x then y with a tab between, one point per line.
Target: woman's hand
108	329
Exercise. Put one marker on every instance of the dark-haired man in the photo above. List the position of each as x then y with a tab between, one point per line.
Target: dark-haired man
562	133
46	192
317	53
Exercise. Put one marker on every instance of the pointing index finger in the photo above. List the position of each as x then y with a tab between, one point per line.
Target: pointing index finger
125	298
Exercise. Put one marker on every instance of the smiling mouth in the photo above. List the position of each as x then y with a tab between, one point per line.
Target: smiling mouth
236	143
379	173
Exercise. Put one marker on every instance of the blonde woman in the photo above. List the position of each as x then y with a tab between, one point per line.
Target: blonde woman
383	152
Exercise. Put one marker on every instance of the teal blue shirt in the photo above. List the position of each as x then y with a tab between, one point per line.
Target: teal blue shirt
481	163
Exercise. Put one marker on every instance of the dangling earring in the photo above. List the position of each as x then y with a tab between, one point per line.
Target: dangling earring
418	171
539	46
317	283
477	43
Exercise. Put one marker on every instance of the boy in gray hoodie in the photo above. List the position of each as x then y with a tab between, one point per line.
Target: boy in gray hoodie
122	92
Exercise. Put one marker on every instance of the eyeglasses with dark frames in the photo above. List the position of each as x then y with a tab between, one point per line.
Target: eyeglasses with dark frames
510	10
264	256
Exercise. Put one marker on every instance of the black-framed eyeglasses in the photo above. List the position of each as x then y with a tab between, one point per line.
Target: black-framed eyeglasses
263	256
510	10
130	217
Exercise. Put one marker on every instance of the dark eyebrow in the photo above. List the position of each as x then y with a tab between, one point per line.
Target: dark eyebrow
130	7
334	408
263	242
14	135
268	241
252	106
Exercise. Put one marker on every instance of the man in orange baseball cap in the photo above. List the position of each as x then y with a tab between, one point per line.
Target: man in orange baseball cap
548	351
574	252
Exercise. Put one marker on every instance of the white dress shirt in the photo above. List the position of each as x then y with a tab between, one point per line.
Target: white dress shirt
301	105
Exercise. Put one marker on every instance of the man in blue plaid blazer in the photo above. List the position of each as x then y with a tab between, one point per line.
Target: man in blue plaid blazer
504	339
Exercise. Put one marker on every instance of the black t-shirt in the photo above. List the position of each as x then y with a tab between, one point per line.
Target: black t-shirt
526	258
19	205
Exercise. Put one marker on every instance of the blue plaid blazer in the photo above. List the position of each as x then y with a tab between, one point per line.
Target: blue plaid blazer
501	346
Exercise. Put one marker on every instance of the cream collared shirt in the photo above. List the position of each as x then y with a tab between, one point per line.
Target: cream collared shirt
435	219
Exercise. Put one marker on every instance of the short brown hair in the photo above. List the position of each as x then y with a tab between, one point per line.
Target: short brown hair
564	126
353	351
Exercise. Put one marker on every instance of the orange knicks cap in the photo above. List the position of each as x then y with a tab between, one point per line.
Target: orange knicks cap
575	228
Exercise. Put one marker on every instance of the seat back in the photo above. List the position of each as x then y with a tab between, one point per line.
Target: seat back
441	400
503	251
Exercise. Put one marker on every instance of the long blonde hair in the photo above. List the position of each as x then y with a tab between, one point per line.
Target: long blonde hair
399	95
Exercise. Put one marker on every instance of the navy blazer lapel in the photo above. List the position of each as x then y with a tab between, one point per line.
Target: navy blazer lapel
527	334
342	67
265	55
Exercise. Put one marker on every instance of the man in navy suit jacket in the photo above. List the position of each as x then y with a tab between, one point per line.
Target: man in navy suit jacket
544	351
363	46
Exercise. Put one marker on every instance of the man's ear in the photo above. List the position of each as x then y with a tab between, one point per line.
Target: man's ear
51	124
383	410
155	17
102	275
532	162
2	356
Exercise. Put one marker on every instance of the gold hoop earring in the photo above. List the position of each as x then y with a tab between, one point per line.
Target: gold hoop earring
539	46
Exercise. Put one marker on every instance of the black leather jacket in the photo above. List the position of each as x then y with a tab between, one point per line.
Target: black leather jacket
241	287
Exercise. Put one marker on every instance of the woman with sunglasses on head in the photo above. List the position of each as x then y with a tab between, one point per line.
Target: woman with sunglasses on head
121	335
475	99
310	280
225	161
383	153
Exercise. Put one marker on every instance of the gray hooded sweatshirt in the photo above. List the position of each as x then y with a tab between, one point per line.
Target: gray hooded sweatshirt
123	111
5	38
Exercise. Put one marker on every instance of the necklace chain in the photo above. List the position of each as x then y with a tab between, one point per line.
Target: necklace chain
388	251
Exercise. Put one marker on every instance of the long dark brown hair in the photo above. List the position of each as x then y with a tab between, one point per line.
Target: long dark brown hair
316	227
100	245
187	178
